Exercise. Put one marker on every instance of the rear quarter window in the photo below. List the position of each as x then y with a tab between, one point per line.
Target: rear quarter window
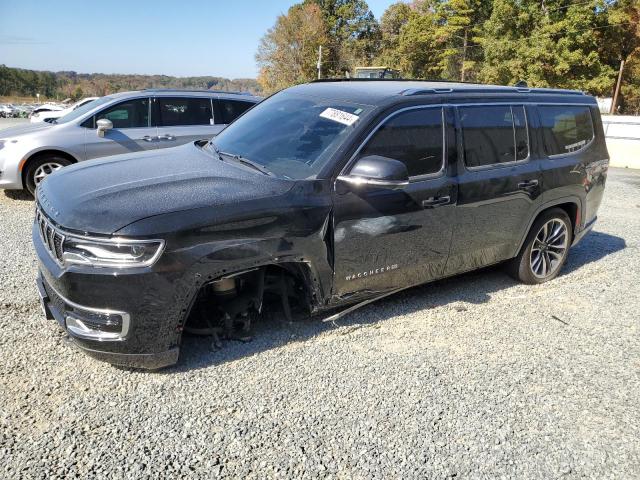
566	129
231	109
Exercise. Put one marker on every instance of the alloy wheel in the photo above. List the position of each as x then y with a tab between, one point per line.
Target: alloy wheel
549	248
44	170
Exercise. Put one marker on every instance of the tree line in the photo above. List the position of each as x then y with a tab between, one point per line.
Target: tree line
577	44
61	85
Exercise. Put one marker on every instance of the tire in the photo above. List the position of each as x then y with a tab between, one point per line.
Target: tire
38	169
545	249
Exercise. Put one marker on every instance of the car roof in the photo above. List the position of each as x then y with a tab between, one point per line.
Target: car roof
381	91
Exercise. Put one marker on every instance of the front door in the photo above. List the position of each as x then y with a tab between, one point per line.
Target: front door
498	185
132	130
387	239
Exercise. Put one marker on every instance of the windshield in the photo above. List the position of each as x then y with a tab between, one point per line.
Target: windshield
80	111
291	135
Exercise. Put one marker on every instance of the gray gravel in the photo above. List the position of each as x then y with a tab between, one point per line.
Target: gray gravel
474	377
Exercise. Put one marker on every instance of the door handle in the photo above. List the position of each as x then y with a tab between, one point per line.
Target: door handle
147	138
433	202
167	137
527	184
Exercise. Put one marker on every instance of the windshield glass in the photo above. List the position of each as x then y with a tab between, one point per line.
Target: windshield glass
80	111
291	135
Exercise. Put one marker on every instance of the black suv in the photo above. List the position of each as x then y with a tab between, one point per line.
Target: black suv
325	195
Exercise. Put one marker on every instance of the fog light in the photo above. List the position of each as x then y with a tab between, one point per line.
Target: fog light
97	325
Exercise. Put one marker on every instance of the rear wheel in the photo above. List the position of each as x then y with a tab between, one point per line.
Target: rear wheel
545	250
38	169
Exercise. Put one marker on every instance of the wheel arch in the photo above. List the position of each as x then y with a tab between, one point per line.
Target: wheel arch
300	269
571	205
27	160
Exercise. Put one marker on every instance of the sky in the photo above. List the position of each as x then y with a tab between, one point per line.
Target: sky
180	38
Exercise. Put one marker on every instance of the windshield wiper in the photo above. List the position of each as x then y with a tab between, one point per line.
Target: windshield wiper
215	150
246	161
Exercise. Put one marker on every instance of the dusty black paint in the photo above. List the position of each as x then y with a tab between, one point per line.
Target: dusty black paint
350	244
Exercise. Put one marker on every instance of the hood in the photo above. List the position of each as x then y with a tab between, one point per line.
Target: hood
103	196
11	132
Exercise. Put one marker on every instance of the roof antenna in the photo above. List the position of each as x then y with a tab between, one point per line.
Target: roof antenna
522	84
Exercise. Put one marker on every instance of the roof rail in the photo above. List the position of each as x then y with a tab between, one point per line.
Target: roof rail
342	79
195	90
454	86
429	91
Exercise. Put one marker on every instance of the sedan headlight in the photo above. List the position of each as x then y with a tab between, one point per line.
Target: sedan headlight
117	253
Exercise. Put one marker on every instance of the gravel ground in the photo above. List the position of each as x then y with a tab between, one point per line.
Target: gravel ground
473	377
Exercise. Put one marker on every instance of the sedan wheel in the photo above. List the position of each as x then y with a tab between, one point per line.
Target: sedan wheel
39	168
43	170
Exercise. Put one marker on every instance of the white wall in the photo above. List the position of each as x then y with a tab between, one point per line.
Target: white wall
623	140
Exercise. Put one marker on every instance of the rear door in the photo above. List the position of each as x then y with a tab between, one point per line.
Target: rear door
386	239
184	119
499	184
132	130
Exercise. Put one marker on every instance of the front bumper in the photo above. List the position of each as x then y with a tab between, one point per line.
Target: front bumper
140	312
56	307
10	174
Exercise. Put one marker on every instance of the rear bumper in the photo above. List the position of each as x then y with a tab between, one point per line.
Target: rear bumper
581	234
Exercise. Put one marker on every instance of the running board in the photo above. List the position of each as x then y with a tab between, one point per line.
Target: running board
355	307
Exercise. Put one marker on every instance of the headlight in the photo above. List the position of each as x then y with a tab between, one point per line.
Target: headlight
113	253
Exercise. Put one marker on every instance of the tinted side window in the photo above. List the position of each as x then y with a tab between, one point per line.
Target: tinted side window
175	111
494	134
414	137
88	123
231	109
128	114
566	129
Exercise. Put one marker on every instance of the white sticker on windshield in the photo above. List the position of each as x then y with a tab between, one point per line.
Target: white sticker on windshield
339	116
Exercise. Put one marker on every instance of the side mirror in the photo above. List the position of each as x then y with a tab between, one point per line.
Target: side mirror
103	125
379	172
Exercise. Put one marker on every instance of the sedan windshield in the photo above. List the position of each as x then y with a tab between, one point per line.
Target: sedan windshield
291	135
80	111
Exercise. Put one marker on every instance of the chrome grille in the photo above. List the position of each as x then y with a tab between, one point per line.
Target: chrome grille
51	237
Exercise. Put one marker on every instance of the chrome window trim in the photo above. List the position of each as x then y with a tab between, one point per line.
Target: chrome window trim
512	163
102	336
416	178
584	147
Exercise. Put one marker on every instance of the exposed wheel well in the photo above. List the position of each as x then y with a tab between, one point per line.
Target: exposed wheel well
292	280
40	154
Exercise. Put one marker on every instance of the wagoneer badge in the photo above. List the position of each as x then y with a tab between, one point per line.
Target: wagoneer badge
372	272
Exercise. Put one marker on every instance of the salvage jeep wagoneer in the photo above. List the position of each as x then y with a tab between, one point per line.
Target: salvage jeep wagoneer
325	195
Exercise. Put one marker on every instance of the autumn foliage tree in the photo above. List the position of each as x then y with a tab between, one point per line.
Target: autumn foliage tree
288	51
